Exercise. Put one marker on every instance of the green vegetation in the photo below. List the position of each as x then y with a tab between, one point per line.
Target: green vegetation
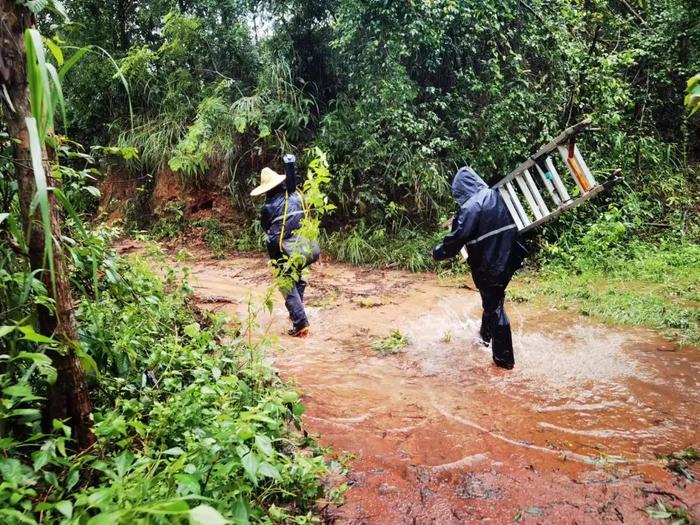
394	343
186	414
399	96
679	462
121	403
675	515
613	277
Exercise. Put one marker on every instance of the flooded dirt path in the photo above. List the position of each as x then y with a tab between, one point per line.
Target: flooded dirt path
440	435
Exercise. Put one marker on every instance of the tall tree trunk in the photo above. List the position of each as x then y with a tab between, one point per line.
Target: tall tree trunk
68	397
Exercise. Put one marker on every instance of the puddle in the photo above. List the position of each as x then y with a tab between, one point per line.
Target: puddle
440	435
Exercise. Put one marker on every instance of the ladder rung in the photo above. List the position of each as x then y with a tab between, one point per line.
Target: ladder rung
528	197
564	152
587	173
548	184
518	205
511	208
557	181
536	193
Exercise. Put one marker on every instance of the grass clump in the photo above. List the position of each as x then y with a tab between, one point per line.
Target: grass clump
394	343
378	247
680	463
652	285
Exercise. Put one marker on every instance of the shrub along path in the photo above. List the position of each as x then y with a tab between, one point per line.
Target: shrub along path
438	435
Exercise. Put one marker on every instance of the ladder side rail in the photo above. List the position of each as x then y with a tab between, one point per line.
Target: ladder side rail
550	187
564	136
528	197
563	192
518	205
511	209
536	193
509	178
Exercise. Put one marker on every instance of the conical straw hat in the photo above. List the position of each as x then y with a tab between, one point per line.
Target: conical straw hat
268	180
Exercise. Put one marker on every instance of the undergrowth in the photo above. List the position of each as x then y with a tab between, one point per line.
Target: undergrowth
655	284
378	247
191	423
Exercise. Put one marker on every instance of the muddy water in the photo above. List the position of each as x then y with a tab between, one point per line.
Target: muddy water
439	435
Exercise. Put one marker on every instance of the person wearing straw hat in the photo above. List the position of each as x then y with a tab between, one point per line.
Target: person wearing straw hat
281	217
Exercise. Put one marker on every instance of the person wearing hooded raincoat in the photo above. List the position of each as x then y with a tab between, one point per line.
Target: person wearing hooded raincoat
484	225
281	217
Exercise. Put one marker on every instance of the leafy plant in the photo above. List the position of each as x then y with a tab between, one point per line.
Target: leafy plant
665	511
187	426
394	343
692	97
678	462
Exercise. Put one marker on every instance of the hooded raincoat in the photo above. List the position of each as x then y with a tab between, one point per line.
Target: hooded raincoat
483	224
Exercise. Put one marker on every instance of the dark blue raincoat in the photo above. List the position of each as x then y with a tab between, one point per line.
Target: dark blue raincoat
484	225
272	216
273	213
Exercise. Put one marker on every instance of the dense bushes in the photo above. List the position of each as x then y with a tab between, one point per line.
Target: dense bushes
186	414
400	95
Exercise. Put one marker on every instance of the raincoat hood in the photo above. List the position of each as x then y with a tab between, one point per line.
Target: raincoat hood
466	184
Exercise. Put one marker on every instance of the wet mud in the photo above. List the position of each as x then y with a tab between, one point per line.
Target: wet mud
438	435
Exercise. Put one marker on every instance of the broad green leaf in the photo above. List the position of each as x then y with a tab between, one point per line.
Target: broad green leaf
240	513
35	356
4	330
42	196
264	444
188	484
289	396
250	464
74	59
57	92
172	506
57	7
39	85
26	412
66	508
206	515
55	51
123	462
269	471
36	6
106	518
100	496
191	330
92	190
31	335
18	390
